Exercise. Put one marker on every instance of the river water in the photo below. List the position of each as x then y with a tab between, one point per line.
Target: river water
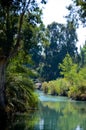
54	113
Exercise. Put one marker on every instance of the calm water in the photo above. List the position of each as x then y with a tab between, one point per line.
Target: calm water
55	113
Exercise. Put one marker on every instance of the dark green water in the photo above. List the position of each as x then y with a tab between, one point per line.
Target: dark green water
54	113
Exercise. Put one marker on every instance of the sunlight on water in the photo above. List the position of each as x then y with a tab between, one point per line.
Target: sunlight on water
43	97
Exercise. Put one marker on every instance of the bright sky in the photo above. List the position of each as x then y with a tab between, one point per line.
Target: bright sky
54	10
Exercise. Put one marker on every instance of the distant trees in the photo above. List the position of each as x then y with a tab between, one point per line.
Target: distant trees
61	58
62	40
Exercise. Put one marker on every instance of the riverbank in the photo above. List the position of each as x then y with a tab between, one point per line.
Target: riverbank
62	87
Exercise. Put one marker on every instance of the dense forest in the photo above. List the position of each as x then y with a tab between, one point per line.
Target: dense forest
29	51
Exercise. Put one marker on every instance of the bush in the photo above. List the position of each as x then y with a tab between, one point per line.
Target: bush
78	92
45	87
56	87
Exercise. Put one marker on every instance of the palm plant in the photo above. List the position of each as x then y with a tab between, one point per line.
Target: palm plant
20	88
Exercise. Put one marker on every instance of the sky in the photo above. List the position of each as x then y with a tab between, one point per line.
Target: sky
55	10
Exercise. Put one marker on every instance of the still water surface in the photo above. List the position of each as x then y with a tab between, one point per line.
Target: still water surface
54	113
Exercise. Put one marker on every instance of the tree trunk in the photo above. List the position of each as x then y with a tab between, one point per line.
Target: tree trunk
3	113
2	83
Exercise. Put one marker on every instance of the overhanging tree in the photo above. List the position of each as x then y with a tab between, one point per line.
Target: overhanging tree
81	10
12	13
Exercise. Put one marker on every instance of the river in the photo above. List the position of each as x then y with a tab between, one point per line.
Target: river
54	113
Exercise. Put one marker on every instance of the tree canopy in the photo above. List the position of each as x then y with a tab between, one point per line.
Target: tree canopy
11	20
20	21
62	40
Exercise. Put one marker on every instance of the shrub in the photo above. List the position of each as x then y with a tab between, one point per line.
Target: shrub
45	87
56	87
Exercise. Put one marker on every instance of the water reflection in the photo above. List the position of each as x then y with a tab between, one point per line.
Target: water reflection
54	115
63	116
79	128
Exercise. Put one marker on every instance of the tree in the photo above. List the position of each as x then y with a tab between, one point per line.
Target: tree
68	68
37	51
12	14
77	14
83	56
81	10
62	41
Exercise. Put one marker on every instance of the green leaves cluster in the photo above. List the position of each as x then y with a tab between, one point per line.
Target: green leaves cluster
13	15
68	68
56	87
20	87
75	77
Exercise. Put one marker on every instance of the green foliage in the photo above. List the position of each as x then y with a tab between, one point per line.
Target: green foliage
19	86
37	51
12	18
76	78
68	69
62	86
56	87
62	40
77	12
72	85
19	27
66	65
32	30
83	56
45	87
78	91
25	121
82	9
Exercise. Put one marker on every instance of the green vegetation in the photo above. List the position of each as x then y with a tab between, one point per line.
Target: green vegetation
29	51
56	87
72	85
20	91
19	32
62	40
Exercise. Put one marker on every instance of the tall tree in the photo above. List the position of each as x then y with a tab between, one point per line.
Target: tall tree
12	14
77	15
37	51
62	41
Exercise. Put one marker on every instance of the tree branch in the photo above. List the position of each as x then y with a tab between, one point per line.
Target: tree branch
17	45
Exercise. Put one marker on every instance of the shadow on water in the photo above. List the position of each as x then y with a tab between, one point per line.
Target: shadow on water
53	114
